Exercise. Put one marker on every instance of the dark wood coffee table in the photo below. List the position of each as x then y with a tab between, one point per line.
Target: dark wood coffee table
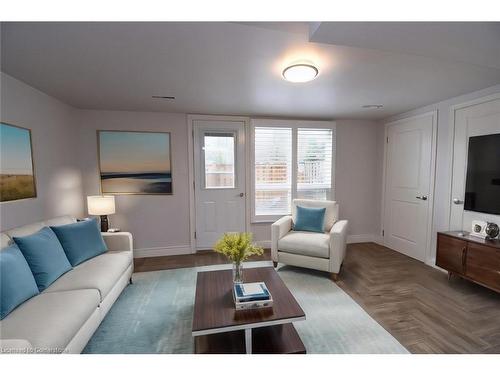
219	328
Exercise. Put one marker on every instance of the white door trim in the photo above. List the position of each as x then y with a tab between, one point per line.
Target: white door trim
430	213
192	207
451	141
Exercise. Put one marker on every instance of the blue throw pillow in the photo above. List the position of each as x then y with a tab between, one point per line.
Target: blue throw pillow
17	283
309	219
81	241
45	256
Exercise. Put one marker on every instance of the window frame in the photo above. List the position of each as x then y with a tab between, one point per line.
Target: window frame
294	125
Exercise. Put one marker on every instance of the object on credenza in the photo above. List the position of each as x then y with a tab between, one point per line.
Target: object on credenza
479	228
17	176
101	205
491	230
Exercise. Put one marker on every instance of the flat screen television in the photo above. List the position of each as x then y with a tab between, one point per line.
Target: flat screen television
482	187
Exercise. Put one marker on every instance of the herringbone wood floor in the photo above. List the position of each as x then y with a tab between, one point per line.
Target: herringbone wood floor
415	303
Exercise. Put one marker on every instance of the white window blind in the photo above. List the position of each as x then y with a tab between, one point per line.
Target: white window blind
314	163
273	170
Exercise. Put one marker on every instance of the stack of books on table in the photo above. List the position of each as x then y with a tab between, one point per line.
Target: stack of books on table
251	296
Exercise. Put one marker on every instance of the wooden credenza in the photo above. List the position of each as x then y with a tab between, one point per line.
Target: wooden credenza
470	257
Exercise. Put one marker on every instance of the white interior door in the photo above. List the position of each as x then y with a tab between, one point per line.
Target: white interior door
475	120
407	200
219	176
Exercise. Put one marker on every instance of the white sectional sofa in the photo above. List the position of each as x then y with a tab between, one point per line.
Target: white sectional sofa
64	317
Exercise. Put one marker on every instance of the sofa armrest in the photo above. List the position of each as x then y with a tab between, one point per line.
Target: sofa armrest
338	238
118	241
278	230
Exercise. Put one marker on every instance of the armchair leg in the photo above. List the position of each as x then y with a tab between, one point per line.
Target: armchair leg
334	276
275	264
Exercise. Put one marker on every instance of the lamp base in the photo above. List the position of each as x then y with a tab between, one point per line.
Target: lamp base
104	223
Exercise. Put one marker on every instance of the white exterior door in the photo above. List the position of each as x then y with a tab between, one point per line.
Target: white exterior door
470	121
219	177
407	199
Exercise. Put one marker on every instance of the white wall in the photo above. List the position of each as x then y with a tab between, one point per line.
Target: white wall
358	180
442	198
58	177
160	224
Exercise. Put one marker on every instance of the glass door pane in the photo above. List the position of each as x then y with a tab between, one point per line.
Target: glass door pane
218	151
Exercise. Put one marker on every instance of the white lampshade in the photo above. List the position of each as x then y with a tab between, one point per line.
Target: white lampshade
101	204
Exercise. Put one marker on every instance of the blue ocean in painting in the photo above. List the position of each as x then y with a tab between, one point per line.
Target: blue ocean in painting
137	182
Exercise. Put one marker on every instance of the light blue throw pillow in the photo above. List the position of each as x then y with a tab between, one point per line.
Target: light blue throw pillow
309	219
45	256
81	241
17	283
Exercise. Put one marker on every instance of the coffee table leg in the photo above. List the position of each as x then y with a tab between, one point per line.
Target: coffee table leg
248	340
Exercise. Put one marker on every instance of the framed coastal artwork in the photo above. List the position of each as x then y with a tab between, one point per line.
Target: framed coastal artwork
133	162
17	174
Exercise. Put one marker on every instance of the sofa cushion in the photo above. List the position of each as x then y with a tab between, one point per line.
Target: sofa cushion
309	219
17	283
80	241
331	214
50	320
306	243
5	240
101	273
45	256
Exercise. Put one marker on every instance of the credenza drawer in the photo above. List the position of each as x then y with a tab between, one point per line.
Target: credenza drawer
451	253
483	265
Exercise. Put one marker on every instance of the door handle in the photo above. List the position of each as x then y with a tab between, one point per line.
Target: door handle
423	197
242	195
457	201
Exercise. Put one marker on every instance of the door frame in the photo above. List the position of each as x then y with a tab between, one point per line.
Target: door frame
451	141
191	118
430	213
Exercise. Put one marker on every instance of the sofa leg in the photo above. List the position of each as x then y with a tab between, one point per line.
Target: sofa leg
130	280
334	276
275	264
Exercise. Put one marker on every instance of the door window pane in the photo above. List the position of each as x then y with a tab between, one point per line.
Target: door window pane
219	160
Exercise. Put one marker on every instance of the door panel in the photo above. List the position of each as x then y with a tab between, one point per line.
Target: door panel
483	263
450	253
480	119
219	167
408	177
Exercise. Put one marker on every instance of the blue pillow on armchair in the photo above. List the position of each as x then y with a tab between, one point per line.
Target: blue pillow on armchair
310	219
81	241
45	256
17	283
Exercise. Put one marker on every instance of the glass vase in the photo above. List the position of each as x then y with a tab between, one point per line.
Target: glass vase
238	272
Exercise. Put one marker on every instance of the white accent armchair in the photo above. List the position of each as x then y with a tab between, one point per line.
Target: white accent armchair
320	251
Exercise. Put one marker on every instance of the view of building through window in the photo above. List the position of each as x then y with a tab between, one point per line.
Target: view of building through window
219	160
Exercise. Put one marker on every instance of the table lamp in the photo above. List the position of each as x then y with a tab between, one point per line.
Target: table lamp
101	205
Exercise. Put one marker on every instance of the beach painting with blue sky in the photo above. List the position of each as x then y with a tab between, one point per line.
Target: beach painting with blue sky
135	162
17	178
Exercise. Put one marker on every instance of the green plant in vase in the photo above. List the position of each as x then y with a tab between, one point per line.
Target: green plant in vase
237	247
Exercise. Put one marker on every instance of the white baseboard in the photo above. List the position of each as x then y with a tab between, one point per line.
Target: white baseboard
266	244
162	251
360	238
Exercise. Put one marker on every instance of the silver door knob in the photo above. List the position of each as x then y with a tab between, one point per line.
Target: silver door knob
457	201
423	197
242	195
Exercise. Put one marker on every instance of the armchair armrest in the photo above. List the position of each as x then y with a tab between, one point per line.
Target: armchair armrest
119	241
278	230
338	238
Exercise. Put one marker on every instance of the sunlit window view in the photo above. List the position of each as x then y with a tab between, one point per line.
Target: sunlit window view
314	163
273	175
219	160
273	167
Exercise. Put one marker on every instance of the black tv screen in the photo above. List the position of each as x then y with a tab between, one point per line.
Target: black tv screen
482	188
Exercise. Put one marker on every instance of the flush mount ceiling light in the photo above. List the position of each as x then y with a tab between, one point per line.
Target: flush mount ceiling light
372	106
300	73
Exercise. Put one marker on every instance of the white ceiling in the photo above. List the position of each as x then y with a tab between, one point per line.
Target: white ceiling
235	68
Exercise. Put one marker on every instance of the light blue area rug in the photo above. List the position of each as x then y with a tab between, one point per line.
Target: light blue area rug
154	315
